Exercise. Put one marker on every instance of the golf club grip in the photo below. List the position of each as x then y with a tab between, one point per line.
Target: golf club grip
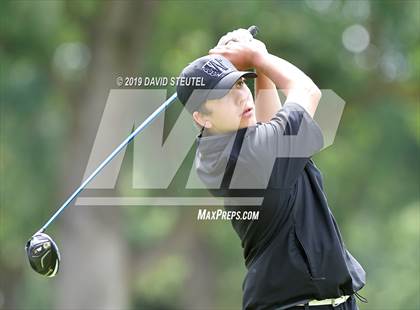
253	30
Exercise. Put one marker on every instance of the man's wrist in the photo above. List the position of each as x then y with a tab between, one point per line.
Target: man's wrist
258	59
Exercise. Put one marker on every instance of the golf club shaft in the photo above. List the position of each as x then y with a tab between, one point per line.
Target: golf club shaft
110	157
253	30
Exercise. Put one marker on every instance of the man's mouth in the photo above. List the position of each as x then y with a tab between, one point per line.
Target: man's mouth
247	112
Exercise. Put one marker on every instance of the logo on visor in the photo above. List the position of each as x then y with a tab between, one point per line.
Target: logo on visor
215	67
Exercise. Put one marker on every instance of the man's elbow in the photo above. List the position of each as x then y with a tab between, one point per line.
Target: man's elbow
306	94
315	93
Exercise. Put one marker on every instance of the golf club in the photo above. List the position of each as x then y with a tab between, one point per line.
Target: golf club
42	251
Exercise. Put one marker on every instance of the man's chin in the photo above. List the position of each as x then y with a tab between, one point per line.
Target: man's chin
248	123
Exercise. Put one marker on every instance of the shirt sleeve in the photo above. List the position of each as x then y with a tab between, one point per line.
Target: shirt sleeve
281	147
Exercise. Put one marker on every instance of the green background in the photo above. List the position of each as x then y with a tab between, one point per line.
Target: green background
60	58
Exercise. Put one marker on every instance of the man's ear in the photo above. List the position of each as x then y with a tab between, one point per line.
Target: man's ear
201	119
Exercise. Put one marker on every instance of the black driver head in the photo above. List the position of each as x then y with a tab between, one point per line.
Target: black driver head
43	254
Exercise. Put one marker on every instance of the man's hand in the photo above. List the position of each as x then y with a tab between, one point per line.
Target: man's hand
245	52
239	35
240	48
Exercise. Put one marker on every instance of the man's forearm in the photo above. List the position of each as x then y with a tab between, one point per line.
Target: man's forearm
295	84
267	101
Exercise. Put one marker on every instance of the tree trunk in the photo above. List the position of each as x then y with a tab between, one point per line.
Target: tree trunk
94	253
188	241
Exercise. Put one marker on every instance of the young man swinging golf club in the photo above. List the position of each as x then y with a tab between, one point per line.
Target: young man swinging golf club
294	252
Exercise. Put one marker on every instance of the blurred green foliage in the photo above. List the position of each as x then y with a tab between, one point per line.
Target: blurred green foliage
371	172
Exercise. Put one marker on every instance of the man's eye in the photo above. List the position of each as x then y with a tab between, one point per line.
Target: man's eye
240	83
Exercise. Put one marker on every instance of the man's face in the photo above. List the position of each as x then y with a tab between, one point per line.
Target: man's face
234	111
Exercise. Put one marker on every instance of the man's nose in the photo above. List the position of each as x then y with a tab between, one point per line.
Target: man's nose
240	96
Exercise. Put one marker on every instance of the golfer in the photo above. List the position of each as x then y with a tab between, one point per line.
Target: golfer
294	252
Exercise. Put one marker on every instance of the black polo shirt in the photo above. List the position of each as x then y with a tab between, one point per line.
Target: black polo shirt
294	252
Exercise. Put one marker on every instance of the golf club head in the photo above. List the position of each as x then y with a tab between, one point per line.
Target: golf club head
43	254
